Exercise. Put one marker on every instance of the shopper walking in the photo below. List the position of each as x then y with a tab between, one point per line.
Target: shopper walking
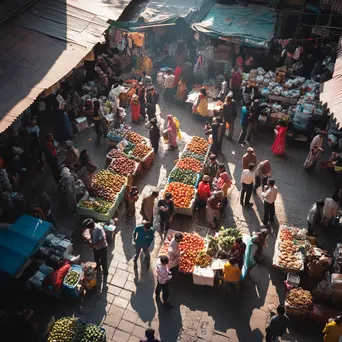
142	237
141	93
315	216
152	99
166	211
147	206
244	122
135	108
279	144
277	325
133	197
172	132
262	173
99	120
247	180
269	195
154	132
72	155
68	187
149	334
249	158
163	278
253	118
230	114
86	169
98	243
316	149
174	254
168	84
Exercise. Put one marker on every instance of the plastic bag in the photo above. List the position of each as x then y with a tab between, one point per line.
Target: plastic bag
261	71
260	79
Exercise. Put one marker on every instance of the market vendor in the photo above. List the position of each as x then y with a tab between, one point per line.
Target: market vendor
203	192
147	206
262	173
333	330
202	103
231	271
238	251
314	217
212	167
235	84
174	254
317	268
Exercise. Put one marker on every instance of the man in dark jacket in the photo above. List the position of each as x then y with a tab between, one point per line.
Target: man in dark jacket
140	91
152	99
230	113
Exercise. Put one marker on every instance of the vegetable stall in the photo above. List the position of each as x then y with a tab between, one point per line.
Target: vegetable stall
200	255
185	176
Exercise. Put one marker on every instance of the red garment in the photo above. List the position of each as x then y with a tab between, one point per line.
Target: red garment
203	191
278	147
239	62
177	74
56	277
238	251
223	178
236	80
51	148
135	107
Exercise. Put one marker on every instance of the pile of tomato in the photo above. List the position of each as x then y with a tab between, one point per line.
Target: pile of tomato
191	245
190	164
182	194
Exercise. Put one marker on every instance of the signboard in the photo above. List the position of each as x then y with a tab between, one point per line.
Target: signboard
322	31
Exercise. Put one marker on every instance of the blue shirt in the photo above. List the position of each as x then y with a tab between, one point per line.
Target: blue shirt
142	237
244	115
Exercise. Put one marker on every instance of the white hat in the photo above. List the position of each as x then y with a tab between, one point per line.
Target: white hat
230	94
65	173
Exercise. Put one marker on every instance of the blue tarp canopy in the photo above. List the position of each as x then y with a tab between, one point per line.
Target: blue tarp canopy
250	25
168	11
20	241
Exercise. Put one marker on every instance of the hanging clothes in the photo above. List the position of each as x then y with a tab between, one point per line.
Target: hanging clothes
147	66
299	50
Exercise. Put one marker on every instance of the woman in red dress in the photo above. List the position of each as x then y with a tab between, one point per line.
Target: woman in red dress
135	107
278	147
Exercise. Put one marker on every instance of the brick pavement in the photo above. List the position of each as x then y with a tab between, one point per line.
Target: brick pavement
125	304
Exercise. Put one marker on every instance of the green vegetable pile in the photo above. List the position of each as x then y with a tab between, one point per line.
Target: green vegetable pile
213	245
71	278
184	176
226	238
69	329
129	148
189	154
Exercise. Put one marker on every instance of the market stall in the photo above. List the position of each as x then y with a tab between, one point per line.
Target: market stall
19	242
184	177
73	329
199	256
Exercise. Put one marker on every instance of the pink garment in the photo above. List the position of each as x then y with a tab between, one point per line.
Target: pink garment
299	50
172	130
223	178
278	147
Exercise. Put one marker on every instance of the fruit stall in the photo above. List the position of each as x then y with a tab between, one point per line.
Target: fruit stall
73	329
200	254
108	190
184	177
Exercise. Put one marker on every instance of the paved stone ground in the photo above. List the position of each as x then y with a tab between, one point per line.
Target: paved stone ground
125	303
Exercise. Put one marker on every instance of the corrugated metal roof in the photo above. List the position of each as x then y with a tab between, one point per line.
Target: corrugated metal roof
48	41
29	63
332	89
65	22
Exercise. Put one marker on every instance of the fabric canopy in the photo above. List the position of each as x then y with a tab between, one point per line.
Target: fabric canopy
168	11
20	241
250	25
332	90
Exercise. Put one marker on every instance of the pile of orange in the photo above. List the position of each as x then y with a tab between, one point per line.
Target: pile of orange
182	194
191	245
198	145
190	164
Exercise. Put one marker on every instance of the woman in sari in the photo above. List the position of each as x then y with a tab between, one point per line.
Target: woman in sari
181	91
252	248
86	169
316	151
172	132
278	147
223	184
202	103
214	205
135	108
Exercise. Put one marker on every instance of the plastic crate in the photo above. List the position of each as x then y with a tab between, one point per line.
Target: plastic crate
135	172
170	180
72	290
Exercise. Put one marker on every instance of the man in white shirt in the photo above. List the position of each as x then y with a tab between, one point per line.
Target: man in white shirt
330	209
163	278
174	253
247	180
269	196
168	84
